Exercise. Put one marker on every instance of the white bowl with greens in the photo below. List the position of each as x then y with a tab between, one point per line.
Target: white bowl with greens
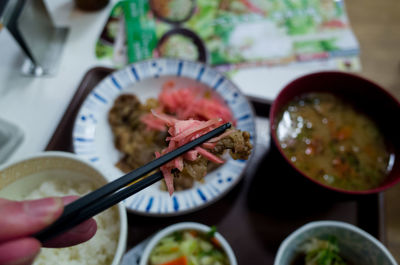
332	243
188	243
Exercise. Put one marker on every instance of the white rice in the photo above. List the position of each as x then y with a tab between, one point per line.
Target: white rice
98	250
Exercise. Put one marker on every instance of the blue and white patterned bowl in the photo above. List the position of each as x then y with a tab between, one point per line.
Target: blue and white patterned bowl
355	244
93	139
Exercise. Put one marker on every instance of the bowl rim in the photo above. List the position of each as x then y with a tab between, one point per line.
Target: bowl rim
182	226
197	41
273	118
316	224
171	21
123	219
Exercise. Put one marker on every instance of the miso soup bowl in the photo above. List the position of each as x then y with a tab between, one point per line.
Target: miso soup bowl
367	96
355	245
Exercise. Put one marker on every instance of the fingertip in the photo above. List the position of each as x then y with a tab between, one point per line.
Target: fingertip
23	218
88	229
79	234
45	210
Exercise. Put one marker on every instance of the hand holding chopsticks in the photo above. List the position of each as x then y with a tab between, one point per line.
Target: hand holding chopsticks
116	191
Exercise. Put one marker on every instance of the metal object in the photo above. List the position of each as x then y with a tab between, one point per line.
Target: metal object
11	137
30	24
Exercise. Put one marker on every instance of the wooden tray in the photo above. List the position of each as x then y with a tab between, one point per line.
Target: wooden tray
260	211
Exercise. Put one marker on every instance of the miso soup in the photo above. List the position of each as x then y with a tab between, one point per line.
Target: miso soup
330	141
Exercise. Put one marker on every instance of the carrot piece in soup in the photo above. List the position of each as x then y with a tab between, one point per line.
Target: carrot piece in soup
344	133
179	261
215	241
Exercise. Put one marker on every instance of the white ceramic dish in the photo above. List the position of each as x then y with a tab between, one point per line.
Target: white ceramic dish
354	244
20	178
185	226
93	139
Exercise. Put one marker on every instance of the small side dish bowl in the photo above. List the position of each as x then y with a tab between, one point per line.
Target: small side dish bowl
355	245
58	174
364	97
186	226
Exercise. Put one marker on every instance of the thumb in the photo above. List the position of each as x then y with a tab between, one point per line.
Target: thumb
19	219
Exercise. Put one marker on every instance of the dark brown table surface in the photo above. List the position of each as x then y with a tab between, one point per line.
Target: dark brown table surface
377	26
268	204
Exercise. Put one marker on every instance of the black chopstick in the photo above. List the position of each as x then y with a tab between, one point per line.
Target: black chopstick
62	225
106	196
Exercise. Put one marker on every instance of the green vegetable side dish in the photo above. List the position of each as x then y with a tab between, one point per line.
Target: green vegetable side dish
330	141
179	46
189	247
320	252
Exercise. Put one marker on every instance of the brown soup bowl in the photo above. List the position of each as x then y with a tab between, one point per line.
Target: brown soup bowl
364	95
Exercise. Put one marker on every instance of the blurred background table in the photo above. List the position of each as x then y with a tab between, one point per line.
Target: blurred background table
377	27
37	104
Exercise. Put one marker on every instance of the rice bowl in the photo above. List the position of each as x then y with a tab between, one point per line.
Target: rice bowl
61	174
